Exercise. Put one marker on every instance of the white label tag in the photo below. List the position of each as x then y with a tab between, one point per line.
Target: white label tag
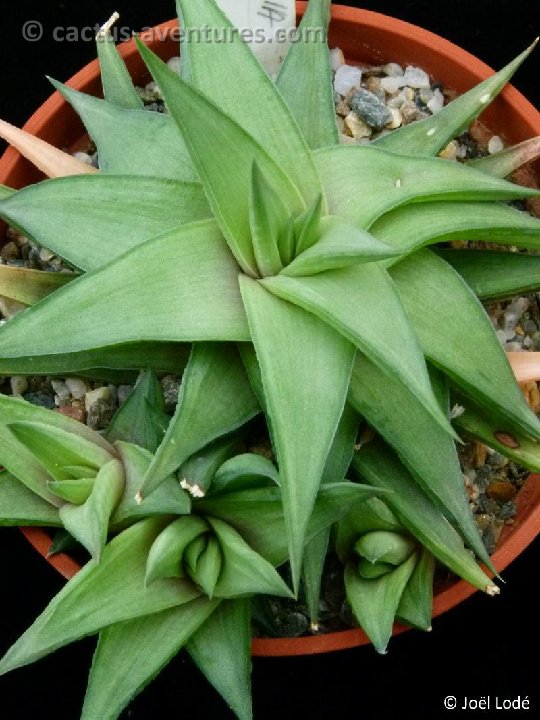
268	25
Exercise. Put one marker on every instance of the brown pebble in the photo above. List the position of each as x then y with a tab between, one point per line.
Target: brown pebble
75	413
532	395
483	521
9	251
501	491
480	454
506	439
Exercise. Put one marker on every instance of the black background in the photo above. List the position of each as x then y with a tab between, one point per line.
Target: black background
484	647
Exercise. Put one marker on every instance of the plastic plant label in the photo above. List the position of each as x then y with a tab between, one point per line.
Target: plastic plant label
264	24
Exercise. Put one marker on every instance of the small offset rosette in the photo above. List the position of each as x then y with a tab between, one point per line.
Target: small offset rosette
388	574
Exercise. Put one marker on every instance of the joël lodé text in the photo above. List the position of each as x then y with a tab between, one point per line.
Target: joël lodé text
486	702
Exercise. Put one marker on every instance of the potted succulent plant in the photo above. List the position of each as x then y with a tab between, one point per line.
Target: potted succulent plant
281	259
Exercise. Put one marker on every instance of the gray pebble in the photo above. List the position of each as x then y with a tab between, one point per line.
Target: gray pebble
41	399
293	624
370	109
100	413
171	386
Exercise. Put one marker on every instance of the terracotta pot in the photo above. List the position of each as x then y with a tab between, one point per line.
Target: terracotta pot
364	37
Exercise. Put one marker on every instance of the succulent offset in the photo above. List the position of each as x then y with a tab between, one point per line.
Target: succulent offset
236	241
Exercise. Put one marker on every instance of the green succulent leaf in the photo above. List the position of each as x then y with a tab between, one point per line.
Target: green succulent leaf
495	275
430	136
5	192
55	448
340	244
440	305
21	506
370	516
129	655
20	460
306	227
223	165
505	162
337	465
62	542
193	270
201	468
168	548
118	86
341	453
293	345
244	571
416	604
88	523
427	451
115	363
305	78
101	595
168	499
268	216
258	514
481	425
384	546
408	228
378	465
30	286
141	419
75	491
379	181
245	472
132	142
112	214
330	297
214	68
221	649
315	553
215	399
375	601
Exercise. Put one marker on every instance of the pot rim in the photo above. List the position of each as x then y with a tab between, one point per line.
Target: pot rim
514	538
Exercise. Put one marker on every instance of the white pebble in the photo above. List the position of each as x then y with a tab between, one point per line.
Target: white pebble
347	78
513	314
502	337
337	59
392	70
45	255
495	145
76	387
174	64
436	103
416	77
61	389
102	393
83	157
513	347
527	342
151	87
19	384
390	84
397	119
